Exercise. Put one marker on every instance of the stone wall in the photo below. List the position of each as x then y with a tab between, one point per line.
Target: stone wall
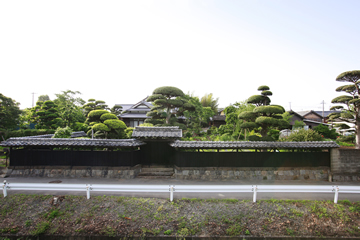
316	173
74	172
345	165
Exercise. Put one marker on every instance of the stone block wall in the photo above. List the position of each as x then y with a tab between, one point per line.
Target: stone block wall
74	172
345	165
317	173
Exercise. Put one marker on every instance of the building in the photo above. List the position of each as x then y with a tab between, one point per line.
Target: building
135	114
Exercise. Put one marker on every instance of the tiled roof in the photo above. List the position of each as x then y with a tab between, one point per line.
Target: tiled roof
252	145
133	115
69	142
157	132
73	135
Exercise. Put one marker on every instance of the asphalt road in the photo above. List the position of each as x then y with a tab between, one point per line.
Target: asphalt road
177	195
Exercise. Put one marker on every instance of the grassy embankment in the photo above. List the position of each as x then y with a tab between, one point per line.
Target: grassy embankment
126	216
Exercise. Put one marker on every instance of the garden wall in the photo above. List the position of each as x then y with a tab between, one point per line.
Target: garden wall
345	165
283	173
74	172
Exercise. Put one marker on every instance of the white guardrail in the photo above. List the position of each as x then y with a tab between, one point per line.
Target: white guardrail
181	188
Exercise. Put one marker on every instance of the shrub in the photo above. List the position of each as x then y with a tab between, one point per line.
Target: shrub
348	139
63	132
326	132
254	138
107	116
115	124
303	135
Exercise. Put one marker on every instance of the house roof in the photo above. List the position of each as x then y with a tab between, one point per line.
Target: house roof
73	135
157	132
133	115
252	145
68	142
129	108
326	113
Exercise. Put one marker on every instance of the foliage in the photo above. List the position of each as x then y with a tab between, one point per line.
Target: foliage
326	132
198	116
351	113
63	132
298	124
348	139
303	135
9	113
116	110
129	132
93	104
25	132
264	116
69	105
208	101
105	125
168	104
43	98
47	115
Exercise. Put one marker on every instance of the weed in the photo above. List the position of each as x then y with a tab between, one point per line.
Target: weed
183	232
247	232
111	232
27	223
168	232
297	212
41	228
345	202
235	230
290	231
53	214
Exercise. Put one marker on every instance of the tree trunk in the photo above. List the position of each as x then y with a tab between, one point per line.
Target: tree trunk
357	132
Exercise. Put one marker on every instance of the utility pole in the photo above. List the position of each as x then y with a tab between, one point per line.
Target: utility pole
33	99
323	103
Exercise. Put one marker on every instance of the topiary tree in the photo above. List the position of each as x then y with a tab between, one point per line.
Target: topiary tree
168	104
48	116
105	125
351	113
264	116
94	105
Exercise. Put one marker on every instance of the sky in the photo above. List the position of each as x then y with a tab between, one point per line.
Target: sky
120	51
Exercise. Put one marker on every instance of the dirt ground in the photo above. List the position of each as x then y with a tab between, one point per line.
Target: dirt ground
126	217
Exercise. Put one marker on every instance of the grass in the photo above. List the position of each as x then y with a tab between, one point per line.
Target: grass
126	216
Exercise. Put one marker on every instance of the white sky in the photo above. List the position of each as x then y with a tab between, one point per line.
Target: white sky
120	51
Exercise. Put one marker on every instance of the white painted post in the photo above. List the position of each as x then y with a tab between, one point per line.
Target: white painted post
254	195
87	192
4	189
336	194
171	193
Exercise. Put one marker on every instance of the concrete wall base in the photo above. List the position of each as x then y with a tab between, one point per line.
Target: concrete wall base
74	172
315	173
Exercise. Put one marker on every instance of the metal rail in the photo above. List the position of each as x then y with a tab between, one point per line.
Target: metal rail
181	188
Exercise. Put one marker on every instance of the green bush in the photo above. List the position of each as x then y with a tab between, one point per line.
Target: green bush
348	139
63	132
326	132
254	138
303	135
115	124
107	116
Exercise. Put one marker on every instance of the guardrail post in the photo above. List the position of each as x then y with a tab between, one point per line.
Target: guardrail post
171	192
336	194
87	191
254	195
4	189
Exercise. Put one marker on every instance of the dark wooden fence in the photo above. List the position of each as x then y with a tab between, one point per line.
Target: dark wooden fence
252	159
43	157
157	154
